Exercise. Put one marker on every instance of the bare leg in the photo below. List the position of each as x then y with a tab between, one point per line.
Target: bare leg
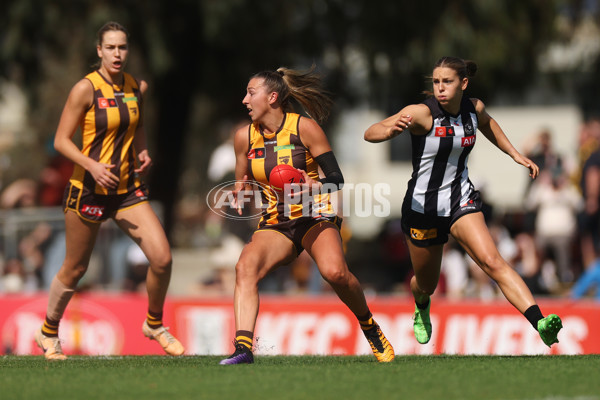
266	251
80	239
472	234
143	226
324	245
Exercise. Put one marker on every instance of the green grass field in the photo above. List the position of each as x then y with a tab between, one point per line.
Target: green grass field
302	377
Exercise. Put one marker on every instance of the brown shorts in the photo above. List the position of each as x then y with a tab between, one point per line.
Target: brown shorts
296	229
97	207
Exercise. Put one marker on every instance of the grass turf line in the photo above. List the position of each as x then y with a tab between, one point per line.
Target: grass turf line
302	377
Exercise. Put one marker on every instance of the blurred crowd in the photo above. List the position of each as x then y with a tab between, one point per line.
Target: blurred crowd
552	241
32	238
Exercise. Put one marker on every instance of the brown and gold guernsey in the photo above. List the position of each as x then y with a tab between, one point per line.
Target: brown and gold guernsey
107	132
283	147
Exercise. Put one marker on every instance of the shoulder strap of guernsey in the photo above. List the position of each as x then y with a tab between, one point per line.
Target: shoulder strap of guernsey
467	108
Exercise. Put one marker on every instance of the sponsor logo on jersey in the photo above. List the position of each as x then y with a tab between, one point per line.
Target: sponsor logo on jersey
140	193
423	234
285	147
128	99
256	153
104	102
92	211
467	141
469	205
443	131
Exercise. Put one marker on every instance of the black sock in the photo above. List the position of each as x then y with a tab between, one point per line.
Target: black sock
366	321
533	315
423	306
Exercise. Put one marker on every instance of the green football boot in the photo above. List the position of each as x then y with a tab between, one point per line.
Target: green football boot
548	328
422	324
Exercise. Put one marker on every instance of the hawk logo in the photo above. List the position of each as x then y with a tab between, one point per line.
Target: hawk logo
256	153
103	102
284	160
423	234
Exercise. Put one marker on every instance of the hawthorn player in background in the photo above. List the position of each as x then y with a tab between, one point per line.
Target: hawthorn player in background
441	199
279	136
107	106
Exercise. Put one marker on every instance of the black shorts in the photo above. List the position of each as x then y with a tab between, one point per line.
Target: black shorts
428	230
97	207
296	229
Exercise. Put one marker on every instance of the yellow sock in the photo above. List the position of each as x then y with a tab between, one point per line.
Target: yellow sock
245	338
50	328
154	320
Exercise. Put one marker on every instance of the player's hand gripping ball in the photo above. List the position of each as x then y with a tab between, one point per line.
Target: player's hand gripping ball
284	174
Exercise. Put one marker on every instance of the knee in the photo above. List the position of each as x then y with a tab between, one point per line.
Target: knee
162	264
493	264
71	274
247	272
337	276
424	288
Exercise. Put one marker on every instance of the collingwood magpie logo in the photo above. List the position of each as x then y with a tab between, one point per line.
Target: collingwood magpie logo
469	128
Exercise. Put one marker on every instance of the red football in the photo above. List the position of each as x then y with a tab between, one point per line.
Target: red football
283	174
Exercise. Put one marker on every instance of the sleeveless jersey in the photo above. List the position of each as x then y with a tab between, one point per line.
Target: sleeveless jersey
440	180
107	130
283	147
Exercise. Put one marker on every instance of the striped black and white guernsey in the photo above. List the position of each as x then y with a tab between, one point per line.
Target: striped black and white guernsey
440	183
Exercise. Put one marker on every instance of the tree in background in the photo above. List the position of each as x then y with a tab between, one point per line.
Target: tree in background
198	54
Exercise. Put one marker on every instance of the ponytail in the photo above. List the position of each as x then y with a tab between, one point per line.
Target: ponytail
304	87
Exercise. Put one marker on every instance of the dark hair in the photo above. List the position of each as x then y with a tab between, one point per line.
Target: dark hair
304	87
110	26
464	68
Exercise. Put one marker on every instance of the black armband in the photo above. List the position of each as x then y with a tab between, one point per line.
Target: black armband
331	169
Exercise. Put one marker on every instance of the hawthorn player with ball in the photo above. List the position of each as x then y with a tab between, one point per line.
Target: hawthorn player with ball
441	199
278	136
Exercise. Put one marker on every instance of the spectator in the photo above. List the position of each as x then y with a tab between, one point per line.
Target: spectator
137	269
53	180
544	155
589	218
455	270
588	281
586	178
13	276
21	193
556	203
